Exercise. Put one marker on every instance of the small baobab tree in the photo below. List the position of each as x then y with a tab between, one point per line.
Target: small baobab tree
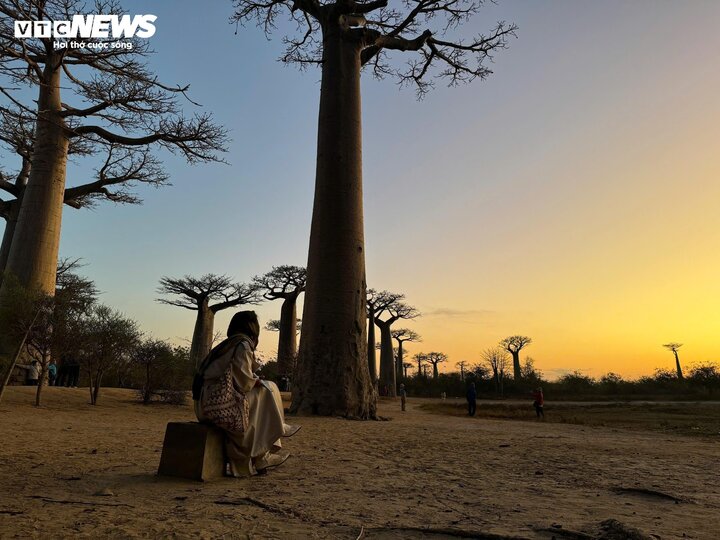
207	295
406	366
376	303
513	345
284	283
462	365
674	348
273	325
420	360
496	359
392	312
401	335
341	37
435	358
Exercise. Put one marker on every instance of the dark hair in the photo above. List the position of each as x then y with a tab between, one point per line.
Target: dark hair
245	322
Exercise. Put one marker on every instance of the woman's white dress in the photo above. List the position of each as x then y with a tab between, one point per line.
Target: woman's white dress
266	418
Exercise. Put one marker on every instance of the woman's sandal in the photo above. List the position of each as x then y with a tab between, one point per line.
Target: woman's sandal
273	460
289	431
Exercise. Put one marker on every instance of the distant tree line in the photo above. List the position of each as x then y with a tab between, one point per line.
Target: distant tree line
701	381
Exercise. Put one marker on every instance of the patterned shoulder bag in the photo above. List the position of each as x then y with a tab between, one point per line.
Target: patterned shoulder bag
224	405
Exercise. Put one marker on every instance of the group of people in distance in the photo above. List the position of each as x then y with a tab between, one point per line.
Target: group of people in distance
538	401
471	396
67	375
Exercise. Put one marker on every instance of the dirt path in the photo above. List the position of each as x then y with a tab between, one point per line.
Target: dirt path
71	470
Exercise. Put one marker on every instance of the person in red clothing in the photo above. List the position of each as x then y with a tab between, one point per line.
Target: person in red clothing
538	403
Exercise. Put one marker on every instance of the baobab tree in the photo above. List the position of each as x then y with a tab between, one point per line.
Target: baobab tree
462	365
207	295
376	303
342	36
401	335
393	312
435	358
273	325
101	94
497	359
406	366
513	345
421	359
674	348
284	283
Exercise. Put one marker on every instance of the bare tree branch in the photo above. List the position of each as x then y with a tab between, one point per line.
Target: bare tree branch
422	27
193	292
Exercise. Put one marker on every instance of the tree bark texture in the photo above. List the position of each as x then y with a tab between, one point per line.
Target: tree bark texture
34	250
677	366
33	253
332	373
8	235
387	379
287	341
517	374
372	358
202	334
399	362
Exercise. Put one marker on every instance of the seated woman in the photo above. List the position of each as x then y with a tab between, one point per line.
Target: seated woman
257	448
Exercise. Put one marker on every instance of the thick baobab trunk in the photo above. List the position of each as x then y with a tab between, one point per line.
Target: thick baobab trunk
33	254
8	236
436	374
287	341
387	379
517	374
12	218
332	372
677	366
34	249
399	362
202	334
372	358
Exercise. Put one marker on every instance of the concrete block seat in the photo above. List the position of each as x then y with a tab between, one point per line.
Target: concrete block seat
192	450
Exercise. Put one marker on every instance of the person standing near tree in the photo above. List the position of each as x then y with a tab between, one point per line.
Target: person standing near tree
73	372
52	373
538	403
403	397
32	372
471	399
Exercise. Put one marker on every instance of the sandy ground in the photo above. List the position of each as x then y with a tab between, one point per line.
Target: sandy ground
69	469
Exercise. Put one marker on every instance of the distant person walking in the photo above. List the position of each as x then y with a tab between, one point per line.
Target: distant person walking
32	373
52	373
403	397
472	399
73	373
539	403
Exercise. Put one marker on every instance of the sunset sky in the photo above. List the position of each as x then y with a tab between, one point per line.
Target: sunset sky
572	197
